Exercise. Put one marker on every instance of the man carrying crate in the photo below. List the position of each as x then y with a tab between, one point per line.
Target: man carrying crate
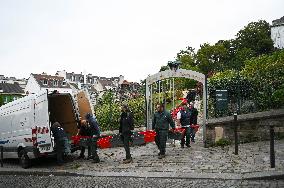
94	131
83	130
183	120
161	121
193	121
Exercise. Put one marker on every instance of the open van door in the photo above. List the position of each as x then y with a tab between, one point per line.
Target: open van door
43	133
84	105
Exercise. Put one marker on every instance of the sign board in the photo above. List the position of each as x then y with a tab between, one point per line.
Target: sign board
221	99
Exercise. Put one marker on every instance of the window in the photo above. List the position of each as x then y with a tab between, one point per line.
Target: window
6	100
64	83
55	83
45	82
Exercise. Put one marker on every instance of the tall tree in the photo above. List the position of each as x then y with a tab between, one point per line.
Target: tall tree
255	36
212	57
187	58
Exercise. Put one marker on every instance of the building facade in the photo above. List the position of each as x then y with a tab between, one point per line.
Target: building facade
39	82
10	92
95	86
11	80
277	33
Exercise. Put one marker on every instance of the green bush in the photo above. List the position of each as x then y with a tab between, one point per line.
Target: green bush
137	107
278	98
266	73
108	111
259	84
223	142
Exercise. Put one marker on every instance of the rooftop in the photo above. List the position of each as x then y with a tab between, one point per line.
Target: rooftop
11	88
47	81
278	22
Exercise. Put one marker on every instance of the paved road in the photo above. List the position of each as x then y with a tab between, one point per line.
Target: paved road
78	182
194	162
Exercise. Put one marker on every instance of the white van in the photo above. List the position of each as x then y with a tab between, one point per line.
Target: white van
25	124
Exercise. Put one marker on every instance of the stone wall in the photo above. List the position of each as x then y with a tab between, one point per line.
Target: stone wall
251	127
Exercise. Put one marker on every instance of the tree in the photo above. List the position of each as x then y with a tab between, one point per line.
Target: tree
163	68
187	58
255	36
212	57
266	73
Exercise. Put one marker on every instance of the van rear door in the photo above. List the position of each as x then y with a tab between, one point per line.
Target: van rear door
84	105
44	140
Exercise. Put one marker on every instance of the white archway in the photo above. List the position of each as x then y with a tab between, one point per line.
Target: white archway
179	73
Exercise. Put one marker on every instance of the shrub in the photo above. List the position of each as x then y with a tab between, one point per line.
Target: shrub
223	142
278	98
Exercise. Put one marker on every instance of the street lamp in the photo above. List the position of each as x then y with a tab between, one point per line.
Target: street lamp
174	65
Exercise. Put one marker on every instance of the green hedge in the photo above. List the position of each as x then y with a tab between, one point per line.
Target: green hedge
260	83
108	111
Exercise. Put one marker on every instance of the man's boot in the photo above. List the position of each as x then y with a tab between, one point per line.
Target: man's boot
96	160
129	160
161	156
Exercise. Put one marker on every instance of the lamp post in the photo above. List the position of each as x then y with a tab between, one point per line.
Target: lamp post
238	93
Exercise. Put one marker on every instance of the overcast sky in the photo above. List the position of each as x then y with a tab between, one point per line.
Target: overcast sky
133	38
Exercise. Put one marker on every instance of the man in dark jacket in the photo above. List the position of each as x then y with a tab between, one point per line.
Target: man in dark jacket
83	130
161	121
193	120
183	120
95	134
126	125
60	138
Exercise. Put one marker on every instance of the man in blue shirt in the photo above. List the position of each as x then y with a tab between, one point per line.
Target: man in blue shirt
94	132
61	141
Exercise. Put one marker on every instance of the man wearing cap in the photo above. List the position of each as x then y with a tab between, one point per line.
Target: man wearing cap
161	121
61	141
183	120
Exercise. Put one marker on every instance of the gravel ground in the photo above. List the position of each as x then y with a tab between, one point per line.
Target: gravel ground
78	182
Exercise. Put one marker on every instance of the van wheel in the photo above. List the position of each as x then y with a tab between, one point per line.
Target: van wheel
24	159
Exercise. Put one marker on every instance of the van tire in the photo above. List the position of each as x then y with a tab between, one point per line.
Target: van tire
24	159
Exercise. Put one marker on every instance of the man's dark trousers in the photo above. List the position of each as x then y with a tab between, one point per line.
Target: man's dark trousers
59	151
126	137
186	136
83	148
161	140
93	148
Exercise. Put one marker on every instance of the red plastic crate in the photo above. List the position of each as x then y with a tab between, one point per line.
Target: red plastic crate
149	136
177	133
104	142
195	127
76	139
